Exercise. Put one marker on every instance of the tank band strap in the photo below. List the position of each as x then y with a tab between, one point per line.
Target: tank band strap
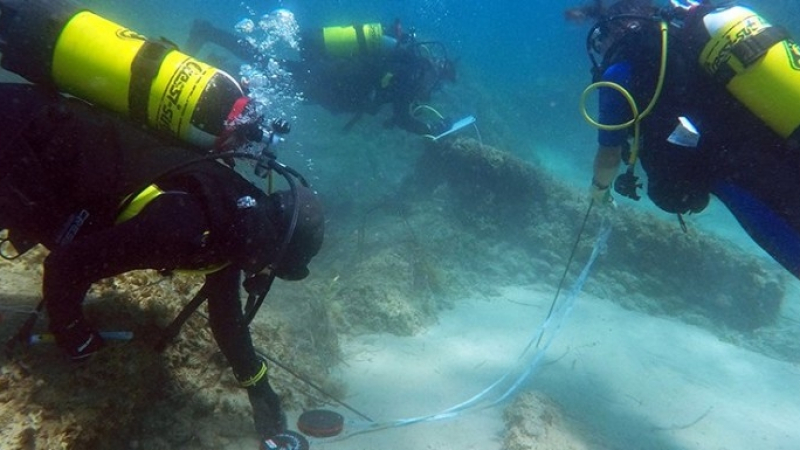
250	382
750	49
794	139
362	39
144	69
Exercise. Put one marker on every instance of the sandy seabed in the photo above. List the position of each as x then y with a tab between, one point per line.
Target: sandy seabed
613	379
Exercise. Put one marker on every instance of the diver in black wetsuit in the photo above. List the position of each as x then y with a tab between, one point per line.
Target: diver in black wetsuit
105	197
356	69
706	133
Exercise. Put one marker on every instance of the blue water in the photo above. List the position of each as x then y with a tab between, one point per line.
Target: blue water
520	57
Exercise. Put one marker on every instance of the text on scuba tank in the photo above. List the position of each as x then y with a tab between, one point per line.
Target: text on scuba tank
171	104
743	30
793	51
125	33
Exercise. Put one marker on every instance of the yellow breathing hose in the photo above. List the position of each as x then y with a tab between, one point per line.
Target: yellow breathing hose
637	117
418	108
422	107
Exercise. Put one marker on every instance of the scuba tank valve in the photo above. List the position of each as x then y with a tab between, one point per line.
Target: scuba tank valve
278	128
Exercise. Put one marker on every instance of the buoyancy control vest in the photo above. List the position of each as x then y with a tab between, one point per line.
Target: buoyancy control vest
676	174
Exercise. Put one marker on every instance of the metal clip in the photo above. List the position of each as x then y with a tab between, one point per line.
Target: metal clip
246	202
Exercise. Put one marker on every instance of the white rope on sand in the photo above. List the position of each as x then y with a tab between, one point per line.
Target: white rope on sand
509	383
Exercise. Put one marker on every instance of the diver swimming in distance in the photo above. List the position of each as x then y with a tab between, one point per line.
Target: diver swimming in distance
356	69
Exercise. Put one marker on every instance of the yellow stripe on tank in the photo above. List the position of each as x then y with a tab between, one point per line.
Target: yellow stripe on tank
175	92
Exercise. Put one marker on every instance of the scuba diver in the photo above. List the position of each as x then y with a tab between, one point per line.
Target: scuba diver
706	97
357	69
105	195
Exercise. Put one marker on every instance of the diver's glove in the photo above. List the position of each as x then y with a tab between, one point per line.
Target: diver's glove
440	126
268	416
600	194
280	126
257	284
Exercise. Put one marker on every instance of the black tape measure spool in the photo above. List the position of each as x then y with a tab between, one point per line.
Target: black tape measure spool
320	423
288	440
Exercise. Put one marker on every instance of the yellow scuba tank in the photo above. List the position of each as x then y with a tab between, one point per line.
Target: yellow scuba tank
350	40
59	43
758	63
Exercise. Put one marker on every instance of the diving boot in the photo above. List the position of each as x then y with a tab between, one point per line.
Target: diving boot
79	340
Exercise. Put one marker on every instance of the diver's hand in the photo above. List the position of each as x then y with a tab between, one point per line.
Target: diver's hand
600	194
268	415
440	126
280	126
258	284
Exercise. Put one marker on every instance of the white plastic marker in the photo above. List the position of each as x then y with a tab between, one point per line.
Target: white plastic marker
43	338
469	120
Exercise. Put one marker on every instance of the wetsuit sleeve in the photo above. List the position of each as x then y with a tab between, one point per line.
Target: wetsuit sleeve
771	230
406	88
228	323
613	107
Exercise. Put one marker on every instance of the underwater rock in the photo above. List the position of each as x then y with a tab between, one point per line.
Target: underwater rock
380	296
491	187
128	395
690	274
534	422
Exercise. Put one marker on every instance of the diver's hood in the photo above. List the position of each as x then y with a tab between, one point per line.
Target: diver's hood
261	227
307	235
